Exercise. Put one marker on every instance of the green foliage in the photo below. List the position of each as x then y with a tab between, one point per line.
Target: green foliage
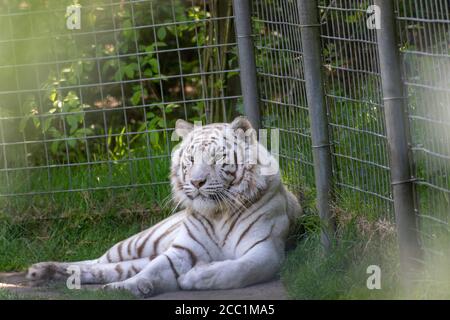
310	274
7	295
78	237
63	124
73	226
131	69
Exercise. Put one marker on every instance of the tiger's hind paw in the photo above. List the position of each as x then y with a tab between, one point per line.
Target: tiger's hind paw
46	271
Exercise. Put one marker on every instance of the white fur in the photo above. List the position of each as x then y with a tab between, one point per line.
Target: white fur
211	244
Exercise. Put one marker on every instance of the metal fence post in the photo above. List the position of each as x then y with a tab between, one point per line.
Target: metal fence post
247	63
310	34
398	137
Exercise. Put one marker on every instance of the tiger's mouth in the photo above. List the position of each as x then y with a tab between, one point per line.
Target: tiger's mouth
205	197
201	196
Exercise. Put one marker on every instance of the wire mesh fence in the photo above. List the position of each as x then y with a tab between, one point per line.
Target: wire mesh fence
424	36
355	106
93	108
355	101
353	97
282	89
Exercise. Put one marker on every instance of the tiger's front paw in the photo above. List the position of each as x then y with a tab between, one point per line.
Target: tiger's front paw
198	279
45	271
141	288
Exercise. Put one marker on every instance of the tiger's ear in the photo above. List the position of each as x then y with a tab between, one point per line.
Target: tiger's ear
241	123
183	128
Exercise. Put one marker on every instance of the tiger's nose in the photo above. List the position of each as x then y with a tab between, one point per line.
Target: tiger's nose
198	183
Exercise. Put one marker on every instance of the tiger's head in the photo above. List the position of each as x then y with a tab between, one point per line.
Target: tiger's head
220	167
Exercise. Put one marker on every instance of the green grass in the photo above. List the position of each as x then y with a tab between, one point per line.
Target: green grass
8	295
73	226
78	237
70	226
309	273
54	182
362	240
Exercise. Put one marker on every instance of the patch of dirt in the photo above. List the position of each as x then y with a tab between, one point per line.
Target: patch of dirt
16	283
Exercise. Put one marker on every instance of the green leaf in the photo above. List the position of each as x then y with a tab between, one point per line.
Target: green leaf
73	121
142	127
46	124
127	25
148	73
154	64
151	48
54	133
82	132
152	124
129	70
169	108
136	98
54	147
53	96
72	143
162	33
118	75
154	138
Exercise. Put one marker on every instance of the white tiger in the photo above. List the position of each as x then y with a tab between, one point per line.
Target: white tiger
230	234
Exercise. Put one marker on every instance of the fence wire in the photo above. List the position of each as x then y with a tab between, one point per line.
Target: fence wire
94	108
282	86
424	36
353	97
355	106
